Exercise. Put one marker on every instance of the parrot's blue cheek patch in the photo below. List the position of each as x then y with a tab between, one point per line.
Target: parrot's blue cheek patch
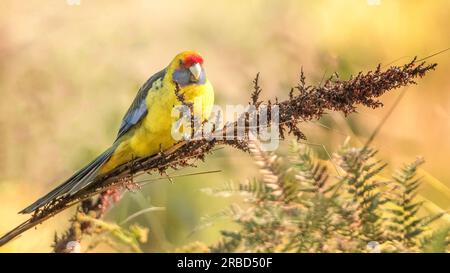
181	76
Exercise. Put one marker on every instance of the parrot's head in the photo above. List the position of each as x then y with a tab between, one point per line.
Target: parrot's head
187	68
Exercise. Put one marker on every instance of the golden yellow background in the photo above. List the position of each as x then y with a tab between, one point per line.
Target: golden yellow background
69	72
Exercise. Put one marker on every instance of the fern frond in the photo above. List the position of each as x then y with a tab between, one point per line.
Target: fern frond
294	207
273	174
405	224
309	172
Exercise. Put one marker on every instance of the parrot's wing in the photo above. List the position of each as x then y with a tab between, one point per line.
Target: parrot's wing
138	108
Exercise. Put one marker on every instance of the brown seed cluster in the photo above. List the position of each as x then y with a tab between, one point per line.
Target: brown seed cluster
310	102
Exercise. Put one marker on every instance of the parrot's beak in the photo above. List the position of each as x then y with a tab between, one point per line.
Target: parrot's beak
196	71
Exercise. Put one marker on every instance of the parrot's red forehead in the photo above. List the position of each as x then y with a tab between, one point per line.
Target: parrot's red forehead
191	59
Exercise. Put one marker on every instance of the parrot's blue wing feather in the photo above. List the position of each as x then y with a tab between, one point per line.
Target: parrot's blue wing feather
138	108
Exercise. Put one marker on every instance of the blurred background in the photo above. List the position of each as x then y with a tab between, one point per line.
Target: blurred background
69	70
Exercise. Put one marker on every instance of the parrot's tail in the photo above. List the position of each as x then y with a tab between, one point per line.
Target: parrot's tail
75	183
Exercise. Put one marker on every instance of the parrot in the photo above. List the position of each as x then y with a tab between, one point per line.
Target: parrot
146	127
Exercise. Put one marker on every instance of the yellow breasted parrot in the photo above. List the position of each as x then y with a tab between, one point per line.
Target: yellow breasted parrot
146	127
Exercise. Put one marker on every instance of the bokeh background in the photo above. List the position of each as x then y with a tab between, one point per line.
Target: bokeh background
69	70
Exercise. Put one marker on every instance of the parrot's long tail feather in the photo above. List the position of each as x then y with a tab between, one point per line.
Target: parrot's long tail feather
75	183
